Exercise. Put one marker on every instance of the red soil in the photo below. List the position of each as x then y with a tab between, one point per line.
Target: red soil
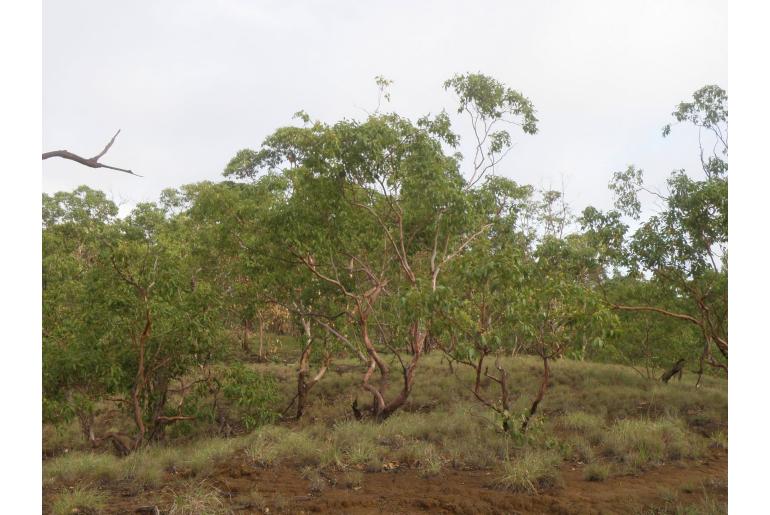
454	491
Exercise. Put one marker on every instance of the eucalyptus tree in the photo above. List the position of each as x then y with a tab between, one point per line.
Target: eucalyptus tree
74	369
125	312
476	306
562	304
378	210
240	231
683	247
230	243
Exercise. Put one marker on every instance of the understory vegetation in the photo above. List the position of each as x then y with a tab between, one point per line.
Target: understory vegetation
604	420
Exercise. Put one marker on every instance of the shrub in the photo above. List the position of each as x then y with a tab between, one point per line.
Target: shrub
252	393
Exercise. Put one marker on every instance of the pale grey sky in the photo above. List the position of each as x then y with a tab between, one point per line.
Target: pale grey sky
191	82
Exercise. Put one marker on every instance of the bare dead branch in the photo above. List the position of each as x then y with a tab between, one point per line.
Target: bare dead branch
92	162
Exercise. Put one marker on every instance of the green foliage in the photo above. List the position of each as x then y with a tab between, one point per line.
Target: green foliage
373	235
253	393
492	99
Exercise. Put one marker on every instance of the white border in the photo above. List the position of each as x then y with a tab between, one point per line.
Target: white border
20	137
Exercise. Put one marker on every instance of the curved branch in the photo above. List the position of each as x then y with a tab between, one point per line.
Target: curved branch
671	314
92	162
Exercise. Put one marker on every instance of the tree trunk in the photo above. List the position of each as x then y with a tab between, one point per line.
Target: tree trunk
540	394
303	369
303	385
418	344
675	370
261	337
245	337
478	372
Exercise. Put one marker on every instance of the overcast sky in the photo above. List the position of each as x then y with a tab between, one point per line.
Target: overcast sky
191	82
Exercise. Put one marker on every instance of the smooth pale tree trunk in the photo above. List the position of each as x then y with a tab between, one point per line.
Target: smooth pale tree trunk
303	384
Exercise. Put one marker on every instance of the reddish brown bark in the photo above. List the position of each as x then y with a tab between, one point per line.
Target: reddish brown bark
540	394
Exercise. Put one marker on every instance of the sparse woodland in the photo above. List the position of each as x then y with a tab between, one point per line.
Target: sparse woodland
357	298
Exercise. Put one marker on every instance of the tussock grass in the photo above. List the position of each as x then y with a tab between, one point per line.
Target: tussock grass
719	439
589	410
639	443
706	506
81	499
64	436
596	472
199	458
581	421
83	466
274	444
353	479
196	498
365	454
252	499
533	471
578	448
316	481
147	467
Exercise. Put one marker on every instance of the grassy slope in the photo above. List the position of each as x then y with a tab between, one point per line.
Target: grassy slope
605	419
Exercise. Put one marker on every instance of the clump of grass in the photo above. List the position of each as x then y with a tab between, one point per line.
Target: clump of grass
196	498
349	433
205	453
668	495
147	466
82	466
719	439
469	454
581	421
353	479
300	449
366	454
314	477
274	444
596	472
252	500
579	449
640	442
62	437
423	455
81	499
534	470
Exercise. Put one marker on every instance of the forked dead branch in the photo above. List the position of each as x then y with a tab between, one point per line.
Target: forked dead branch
92	162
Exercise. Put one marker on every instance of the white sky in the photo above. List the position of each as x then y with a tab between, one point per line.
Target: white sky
191	82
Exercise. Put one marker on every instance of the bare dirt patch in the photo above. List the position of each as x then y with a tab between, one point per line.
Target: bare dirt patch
244	488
